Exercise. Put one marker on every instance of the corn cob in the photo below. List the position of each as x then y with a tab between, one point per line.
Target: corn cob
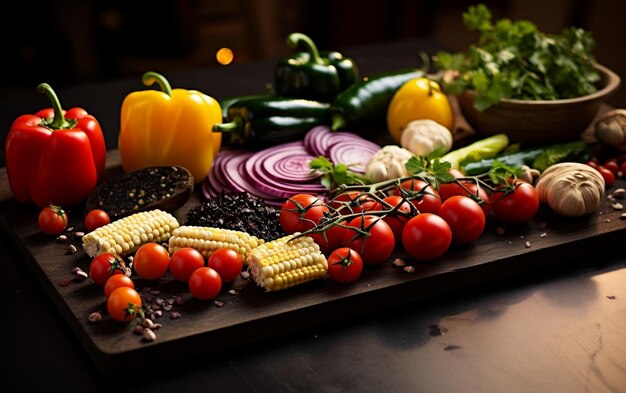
126	235
282	263
208	239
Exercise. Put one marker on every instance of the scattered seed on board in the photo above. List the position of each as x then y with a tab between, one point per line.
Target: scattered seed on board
175	315
81	276
245	275
623	216
76	269
62	239
147	323
409	269
156	326
619	193
79	234
398	262
232	292
167	307
218	303
148	334
95	317
71	249
158	313
70	229
138	330
527	244
65	282
543	235
617	206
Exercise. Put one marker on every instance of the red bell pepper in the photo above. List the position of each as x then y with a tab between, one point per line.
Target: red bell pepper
54	156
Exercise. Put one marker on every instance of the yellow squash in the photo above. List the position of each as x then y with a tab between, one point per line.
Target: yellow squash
169	127
419	98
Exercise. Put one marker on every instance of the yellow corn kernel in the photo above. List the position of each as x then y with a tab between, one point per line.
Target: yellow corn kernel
207	240
286	262
126	235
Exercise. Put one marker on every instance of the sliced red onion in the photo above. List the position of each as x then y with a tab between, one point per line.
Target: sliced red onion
355	154
316	140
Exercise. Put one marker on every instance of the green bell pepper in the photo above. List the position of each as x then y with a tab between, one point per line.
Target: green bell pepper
313	75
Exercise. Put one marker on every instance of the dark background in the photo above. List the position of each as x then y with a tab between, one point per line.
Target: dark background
71	42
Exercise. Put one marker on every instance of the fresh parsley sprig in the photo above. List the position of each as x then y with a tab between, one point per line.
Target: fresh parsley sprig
335	175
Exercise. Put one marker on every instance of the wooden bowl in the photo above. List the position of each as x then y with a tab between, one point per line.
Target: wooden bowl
542	121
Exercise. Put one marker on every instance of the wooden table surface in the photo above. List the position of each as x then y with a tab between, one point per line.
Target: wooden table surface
559	330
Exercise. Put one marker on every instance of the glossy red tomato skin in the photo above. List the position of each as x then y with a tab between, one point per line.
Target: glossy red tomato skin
612	165
426	237
378	246
333	239
448	190
349	202
119	300
397	222
104	266
184	261
151	261
609	177
465	218
345	265
227	263
117	281
428	202
96	219
205	283
301	212
52	220
518	206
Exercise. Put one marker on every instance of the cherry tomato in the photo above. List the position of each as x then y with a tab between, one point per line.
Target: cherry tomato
515	206
465	218
117	281
354	202
185	261
377	246
448	190
104	266
622	168
332	239
423	196
227	263
96	219
52	220
151	261
592	164
612	165
124	303
397	221
426	237
301	212
345	265
609	177
205	283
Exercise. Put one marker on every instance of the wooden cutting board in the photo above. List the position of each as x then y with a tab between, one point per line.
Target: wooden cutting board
250	316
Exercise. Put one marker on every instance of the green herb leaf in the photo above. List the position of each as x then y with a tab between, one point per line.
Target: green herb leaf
332	176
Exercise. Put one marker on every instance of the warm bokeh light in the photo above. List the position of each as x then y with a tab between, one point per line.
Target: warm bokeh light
224	56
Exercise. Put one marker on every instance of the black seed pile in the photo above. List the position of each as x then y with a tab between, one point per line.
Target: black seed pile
238	211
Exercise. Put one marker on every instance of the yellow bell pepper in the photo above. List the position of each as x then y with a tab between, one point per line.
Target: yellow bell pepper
419	98
169	127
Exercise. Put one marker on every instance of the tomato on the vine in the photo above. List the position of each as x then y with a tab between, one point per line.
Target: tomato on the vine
345	265
447	190
423	196
301	212
332	239
372	239
426	237
117	281
184	262
227	263
349	202
124	303
52	220
104	266
609	177
397	221
151	261
515	203
205	283
612	165
96	219
465	218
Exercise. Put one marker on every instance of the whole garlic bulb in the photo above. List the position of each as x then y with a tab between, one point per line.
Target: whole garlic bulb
571	189
423	136
610	129
388	163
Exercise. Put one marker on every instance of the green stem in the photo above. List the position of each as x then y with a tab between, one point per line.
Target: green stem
59	121
151	77
295	38
234	126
